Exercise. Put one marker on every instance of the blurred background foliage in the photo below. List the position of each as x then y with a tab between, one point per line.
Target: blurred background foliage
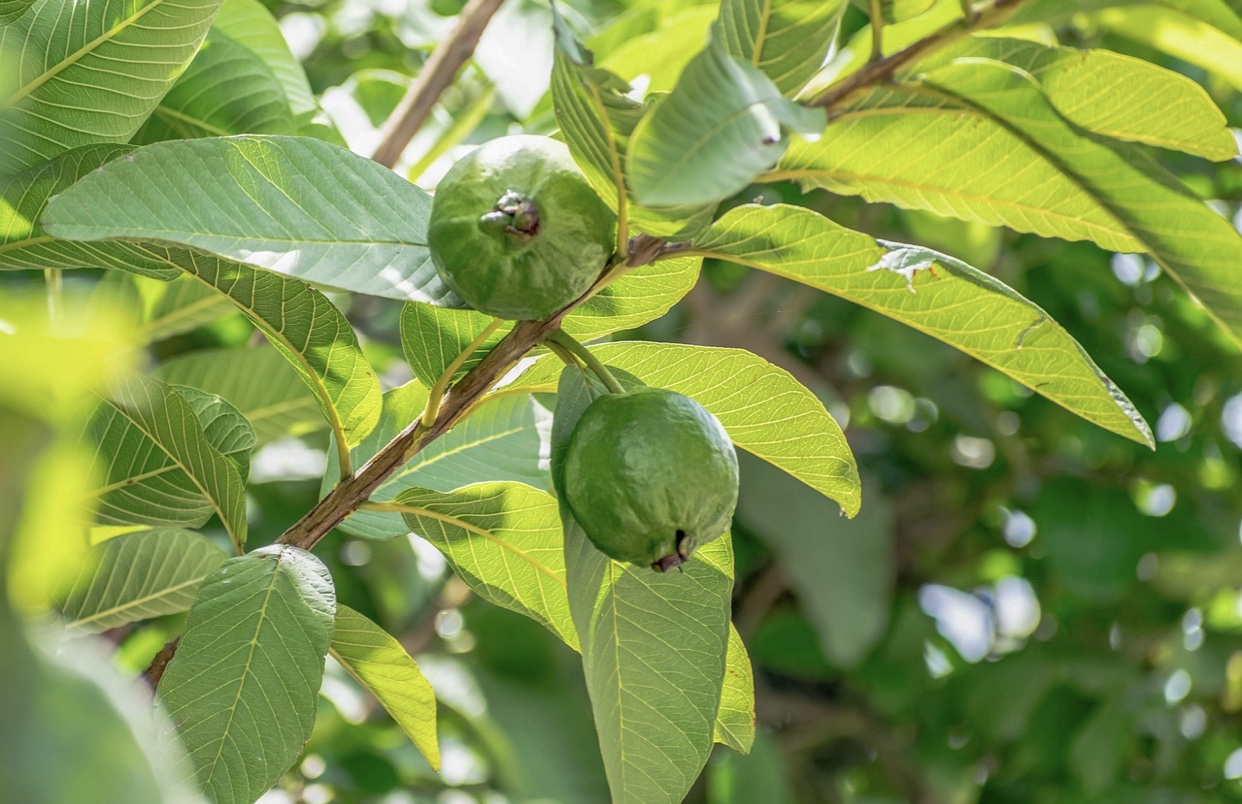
1028	609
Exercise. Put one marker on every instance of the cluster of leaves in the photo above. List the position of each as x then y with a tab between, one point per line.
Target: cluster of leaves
112	160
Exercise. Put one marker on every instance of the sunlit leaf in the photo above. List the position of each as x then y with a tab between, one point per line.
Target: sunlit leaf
504	440
786	39
379	663
504	540
250	24
735	721
943	297
91	72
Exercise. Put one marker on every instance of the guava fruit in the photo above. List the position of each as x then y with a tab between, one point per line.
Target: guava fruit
517	231
651	476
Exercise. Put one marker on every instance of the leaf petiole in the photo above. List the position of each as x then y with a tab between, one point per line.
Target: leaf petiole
573	347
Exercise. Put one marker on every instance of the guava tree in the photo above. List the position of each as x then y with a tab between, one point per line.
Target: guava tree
174	156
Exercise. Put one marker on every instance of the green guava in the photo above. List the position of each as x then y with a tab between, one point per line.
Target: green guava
651	476
517	231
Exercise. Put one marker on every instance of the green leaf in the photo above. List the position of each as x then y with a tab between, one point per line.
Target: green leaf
597	120
433	337
900	145
258	381
91	72
943	297
379	663
251	25
145	408
1110	94
786	39
722	125
244	685
308	330
765	410
735	721
179	306
1200	32
23	243
653	648
504	540
898	10
227	89
503	440
1191	241
139	576
12	9
304	208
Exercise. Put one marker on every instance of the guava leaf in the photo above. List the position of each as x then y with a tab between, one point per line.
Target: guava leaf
935	294
504	540
293	205
98	70
597	119
1110	94
258	381
307	329
179	306
243	687
787	39
171	456
250	24
653	648
24	245
735	720
1196	245
378	662
227	89
502	440
138	576
433	337
722	125
765	410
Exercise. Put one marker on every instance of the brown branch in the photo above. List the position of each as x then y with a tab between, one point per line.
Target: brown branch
436	76
882	70
159	664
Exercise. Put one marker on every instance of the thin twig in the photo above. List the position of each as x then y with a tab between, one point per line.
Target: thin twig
436	76
877	30
882	70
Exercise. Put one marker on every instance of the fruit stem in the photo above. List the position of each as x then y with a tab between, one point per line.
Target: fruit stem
571	345
438	390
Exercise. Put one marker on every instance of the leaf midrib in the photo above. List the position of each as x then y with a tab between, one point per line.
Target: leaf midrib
241	684
134	603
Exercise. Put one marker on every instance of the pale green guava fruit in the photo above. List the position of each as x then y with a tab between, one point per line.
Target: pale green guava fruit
651	476
517	231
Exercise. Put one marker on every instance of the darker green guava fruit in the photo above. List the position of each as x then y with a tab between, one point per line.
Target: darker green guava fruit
651	476
517	231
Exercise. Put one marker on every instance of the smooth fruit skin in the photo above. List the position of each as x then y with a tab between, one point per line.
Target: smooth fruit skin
651	476
517	231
